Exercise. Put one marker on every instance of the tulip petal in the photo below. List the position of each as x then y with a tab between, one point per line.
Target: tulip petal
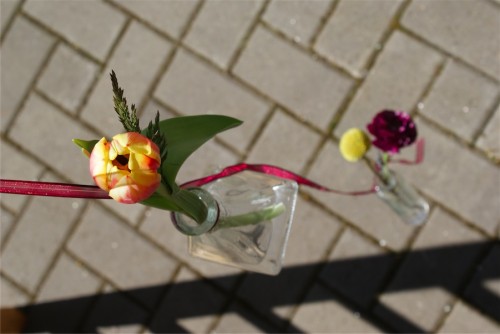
99	162
122	194
126	167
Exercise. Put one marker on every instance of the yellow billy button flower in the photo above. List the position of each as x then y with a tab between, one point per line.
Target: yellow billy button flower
354	144
126	167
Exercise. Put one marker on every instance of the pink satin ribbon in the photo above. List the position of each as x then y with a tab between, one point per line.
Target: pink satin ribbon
419	155
270	170
34	188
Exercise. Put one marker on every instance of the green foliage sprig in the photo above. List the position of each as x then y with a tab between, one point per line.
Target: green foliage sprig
154	133
129	120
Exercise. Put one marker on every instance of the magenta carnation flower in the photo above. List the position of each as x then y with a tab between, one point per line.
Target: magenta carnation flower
393	130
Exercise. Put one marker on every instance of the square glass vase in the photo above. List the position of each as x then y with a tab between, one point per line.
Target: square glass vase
255	213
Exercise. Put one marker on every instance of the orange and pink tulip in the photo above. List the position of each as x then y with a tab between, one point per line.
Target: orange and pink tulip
126	167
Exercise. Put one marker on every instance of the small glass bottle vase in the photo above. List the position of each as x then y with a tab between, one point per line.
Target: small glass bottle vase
403	199
248	222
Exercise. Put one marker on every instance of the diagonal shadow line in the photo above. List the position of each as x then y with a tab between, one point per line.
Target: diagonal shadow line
422	268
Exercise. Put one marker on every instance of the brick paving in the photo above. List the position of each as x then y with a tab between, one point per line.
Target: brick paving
298	73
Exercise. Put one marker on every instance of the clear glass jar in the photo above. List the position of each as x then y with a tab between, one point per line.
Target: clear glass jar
402	198
253	216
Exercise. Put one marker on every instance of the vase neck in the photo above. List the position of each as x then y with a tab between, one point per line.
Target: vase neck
382	169
189	226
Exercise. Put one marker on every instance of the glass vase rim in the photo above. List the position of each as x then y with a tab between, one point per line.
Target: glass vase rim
212	217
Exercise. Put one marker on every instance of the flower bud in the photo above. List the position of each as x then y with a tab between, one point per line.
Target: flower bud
354	144
126	167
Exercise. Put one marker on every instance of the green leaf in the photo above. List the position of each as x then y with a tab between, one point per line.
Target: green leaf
87	145
185	135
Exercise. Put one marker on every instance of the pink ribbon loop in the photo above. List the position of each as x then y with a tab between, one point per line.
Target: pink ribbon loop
419	154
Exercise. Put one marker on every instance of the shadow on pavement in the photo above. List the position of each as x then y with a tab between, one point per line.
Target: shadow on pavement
455	269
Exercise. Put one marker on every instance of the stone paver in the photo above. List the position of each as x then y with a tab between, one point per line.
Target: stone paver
312	233
71	19
489	140
170	17
216	153
8	7
485	286
448	171
34	129
358	280
293	71
178	310
6	222
138	46
67	77
460	108
215	94
312	316
11	295
36	239
130	213
309	240
17	166
440	272
149	112
20	64
276	147
114	313
467	320
470	26
393	82
66	280
280	70
346	41
239	320
220	41
105	244
297	19
129	329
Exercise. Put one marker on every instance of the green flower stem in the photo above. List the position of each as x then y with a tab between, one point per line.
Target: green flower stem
385	162
191	205
181	201
377	172
252	218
